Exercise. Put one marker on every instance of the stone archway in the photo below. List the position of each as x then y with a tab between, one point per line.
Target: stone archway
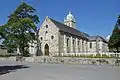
46	50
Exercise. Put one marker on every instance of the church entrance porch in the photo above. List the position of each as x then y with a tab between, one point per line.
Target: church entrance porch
46	50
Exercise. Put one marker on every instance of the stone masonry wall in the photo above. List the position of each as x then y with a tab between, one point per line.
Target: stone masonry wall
69	60
48	34
65	60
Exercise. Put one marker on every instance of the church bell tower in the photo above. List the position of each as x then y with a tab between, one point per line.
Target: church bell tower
70	21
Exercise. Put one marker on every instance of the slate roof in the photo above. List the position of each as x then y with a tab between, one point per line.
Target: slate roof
76	32
104	40
68	29
94	38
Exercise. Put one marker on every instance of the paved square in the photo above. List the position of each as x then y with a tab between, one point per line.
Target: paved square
11	70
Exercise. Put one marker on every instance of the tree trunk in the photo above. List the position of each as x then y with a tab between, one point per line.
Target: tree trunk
117	49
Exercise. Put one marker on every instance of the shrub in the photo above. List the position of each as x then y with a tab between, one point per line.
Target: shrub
97	56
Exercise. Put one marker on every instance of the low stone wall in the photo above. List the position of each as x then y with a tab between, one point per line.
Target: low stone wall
8	58
3	51
65	60
69	60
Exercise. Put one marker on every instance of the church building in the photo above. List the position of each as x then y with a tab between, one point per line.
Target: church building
56	37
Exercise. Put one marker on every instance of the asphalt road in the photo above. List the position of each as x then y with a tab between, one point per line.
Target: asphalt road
10	70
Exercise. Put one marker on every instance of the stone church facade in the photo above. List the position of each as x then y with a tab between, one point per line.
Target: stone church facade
56	37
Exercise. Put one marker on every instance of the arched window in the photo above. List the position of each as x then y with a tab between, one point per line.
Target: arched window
78	43
46	26
69	24
73	42
73	45
52	37
67	41
90	45
41	38
46	35
46	32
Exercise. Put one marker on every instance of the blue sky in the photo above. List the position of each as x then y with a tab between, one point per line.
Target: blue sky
95	17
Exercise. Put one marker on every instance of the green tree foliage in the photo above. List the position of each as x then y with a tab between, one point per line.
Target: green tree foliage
114	42
20	28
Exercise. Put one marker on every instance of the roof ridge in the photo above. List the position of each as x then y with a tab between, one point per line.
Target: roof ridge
64	24
68	29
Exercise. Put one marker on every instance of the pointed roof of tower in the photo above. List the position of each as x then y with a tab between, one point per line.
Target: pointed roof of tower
70	16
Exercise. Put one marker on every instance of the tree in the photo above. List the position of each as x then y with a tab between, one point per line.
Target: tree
114	42
20	29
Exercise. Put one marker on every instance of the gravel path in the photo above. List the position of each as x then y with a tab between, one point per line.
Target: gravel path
11	70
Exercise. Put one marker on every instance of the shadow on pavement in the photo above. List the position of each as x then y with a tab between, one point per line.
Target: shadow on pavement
8	69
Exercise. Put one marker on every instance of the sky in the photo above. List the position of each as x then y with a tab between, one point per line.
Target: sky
95	17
